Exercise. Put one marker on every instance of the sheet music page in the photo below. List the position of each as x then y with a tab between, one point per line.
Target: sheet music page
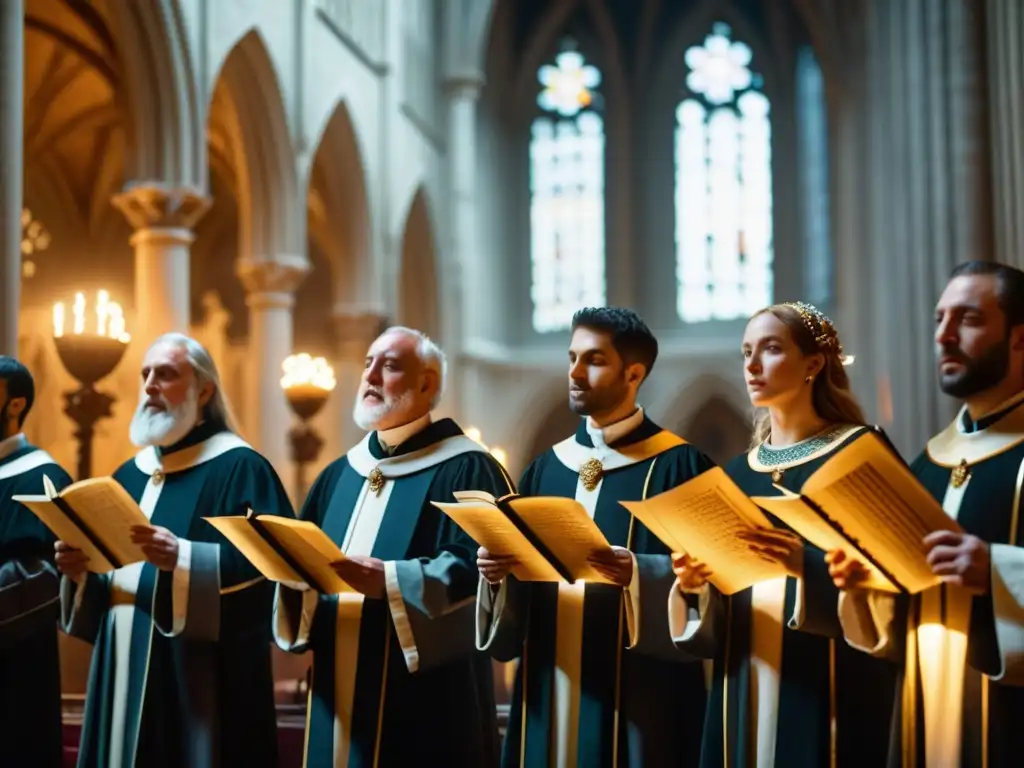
794	512
110	512
881	505
702	518
311	547
567	530
246	540
489	528
65	530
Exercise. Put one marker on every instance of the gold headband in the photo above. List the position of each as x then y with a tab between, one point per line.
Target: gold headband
822	330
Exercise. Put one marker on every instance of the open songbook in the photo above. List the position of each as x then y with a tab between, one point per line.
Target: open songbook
285	550
702	518
552	537
866	501
95	516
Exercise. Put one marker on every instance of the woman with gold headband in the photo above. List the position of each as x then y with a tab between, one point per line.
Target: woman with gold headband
782	697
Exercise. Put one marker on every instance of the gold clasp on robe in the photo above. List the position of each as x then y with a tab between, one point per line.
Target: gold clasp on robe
777	474
376	479
591	472
960	473
158	476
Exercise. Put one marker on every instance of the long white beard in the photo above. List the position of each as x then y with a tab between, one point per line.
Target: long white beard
164	428
367	416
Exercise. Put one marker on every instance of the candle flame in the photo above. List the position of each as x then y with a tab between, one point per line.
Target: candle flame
109	317
304	370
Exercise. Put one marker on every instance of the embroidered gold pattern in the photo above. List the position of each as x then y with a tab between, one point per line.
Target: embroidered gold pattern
590	473
960	473
376	479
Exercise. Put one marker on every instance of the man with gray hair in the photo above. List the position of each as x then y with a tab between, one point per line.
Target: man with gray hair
181	671
397	679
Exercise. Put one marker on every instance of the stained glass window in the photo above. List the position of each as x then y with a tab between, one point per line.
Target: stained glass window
566	192
723	184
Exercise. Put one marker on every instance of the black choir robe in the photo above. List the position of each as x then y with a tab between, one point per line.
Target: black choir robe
30	707
962	698
398	681
181	671
787	691
599	682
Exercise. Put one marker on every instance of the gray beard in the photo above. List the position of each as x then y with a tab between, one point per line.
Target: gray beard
164	428
367	417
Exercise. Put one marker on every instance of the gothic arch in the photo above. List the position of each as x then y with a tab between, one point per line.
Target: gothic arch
417	287
556	423
686	403
339	217
166	136
247	107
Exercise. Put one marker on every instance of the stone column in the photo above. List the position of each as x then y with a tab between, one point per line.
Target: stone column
163	220
270	295
12	74
1005	40
460	267
463	276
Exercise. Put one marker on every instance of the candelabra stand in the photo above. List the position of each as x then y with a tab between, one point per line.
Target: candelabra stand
306	443
88	359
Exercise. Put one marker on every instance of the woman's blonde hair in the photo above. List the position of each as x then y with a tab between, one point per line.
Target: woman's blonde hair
813	333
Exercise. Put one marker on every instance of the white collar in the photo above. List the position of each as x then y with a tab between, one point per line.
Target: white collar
11	444
605	436
149	462
1003	406
390	439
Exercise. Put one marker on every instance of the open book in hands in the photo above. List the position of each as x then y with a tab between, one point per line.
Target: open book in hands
705	518
285	550
551	537
94	515
866	501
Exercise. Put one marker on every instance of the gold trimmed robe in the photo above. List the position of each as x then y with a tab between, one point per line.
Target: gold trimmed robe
962	698
599	683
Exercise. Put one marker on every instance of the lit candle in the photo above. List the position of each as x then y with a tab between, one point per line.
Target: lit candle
116	321
58	319
79	310
102	312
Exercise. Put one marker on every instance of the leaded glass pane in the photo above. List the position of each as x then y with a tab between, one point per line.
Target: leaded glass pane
566	193
723	200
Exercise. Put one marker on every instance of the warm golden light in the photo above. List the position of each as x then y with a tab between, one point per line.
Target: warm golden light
303	371
474	434
848	359
499	455
109	317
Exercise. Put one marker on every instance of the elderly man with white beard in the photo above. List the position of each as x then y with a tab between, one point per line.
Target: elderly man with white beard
181	671
396	676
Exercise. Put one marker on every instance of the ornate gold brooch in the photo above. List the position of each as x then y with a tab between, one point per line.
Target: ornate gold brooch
777	475
376	479
158	476
960	473
590	473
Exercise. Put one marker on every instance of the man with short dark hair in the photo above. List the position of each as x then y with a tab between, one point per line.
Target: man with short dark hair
30	722
600	682
963	698
181	670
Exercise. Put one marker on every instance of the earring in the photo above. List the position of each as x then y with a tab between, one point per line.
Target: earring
809	379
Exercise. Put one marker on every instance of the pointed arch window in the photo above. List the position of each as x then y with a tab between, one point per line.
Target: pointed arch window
723	187
567	244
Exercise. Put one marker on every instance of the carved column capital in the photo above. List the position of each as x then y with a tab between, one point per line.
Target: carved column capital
272	282
152	206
